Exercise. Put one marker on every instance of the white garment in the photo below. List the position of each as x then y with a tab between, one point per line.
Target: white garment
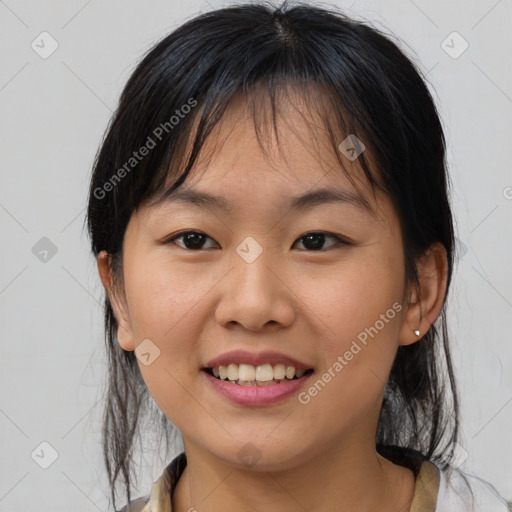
455	495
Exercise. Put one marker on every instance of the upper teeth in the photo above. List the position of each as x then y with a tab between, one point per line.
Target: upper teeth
262	372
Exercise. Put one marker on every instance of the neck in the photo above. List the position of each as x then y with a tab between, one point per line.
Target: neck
342	480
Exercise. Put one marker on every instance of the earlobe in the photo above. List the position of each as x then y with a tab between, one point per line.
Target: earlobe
426	303
124	330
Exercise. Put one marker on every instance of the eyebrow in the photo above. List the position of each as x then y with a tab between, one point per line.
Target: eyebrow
308	200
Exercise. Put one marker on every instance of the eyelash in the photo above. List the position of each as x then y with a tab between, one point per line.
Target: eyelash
339	240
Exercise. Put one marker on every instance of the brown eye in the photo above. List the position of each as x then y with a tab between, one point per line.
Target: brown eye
315	240
192	240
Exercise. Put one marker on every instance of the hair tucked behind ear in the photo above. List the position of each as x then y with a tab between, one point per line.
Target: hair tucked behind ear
360	82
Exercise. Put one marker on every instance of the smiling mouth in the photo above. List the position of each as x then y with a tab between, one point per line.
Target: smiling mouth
262	375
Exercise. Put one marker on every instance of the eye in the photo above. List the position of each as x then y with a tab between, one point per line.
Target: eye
313	241
316	239
192	240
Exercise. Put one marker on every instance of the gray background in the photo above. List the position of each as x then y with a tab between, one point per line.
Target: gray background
53	115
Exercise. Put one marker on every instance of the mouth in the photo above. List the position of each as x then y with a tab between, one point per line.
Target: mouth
261	375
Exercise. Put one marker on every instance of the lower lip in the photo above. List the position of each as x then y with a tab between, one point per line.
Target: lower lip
257	395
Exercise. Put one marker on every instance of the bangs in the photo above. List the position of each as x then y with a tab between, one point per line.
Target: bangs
316	106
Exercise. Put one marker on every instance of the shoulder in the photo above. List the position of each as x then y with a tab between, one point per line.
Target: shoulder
464	492
162	489
136	505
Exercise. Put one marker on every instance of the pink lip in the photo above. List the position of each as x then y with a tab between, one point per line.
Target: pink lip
256	395
244	357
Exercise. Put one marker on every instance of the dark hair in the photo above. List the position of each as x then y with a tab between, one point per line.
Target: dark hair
369	88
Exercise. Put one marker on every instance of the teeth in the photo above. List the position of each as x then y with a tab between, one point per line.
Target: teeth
263	374
279	371
233	372
246	372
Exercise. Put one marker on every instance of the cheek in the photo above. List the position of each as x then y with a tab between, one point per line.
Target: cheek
357	354
168	306
353	296
163	299
358	319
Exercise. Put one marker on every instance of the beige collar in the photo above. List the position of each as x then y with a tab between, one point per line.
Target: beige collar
425	490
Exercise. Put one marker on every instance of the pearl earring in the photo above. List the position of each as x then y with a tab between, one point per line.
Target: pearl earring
417	332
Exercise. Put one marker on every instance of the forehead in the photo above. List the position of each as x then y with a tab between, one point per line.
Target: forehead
293	155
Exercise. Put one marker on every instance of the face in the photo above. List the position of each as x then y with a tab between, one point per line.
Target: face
319	287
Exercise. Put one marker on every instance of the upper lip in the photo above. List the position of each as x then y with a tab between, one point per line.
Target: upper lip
245	357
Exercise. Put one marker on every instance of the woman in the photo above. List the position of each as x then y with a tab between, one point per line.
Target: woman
269	212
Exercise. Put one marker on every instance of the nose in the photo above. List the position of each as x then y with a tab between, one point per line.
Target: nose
256	295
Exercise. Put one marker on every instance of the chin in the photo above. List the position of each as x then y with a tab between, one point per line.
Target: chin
260	453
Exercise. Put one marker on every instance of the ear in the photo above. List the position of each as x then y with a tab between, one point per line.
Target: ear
118	302
425	304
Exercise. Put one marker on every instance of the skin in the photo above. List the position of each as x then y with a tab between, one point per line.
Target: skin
309	304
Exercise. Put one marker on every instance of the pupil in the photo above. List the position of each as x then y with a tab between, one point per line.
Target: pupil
194	239
318	237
